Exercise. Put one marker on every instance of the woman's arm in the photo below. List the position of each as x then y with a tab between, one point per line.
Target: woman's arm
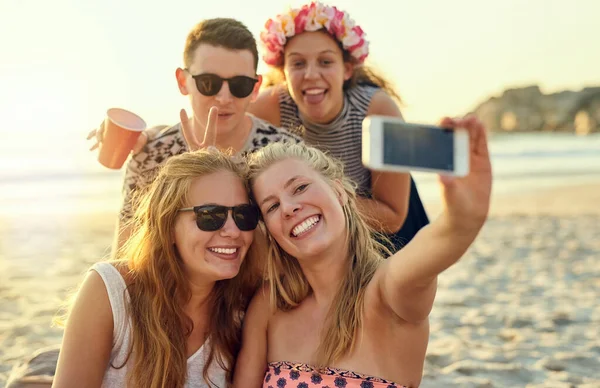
408	279
266	106
87	341
251	363
387	209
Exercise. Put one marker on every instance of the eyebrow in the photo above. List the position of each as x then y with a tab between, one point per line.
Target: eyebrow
285	186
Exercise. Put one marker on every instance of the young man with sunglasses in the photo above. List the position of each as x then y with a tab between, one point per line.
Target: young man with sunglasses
221	60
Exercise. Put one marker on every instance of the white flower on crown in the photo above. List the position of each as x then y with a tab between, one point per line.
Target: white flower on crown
350	39
319	17
347	22
288	27
361	51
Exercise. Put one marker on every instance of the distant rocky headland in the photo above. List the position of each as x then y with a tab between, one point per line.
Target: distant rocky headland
527	109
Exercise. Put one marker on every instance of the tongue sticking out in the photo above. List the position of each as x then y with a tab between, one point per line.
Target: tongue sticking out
314	97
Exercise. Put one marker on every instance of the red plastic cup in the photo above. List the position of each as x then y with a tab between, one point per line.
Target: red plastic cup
121	131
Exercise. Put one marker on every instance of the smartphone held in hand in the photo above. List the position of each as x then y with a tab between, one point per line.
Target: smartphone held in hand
391	144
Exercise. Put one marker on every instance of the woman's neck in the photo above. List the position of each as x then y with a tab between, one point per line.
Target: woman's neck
331	120
325	274
200	293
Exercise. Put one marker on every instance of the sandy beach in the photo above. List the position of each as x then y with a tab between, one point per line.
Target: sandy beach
521	309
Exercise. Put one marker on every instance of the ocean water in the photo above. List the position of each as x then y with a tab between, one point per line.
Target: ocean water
43	176
533	162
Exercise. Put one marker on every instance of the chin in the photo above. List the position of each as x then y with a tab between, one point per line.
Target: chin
227	276
228	273
316	250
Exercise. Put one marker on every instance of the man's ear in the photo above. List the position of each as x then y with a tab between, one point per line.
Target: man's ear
256	89
181	81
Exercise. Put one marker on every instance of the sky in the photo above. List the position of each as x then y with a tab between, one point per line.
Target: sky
64	62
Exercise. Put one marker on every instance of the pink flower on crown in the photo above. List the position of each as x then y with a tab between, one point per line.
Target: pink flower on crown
353	38
313	17
274	32
300	18
361	52
271	41
336	27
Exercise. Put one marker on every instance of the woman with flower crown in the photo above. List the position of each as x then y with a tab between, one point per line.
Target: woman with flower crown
320	87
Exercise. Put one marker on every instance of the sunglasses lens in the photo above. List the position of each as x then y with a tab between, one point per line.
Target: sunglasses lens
241	86
211	218
208	84
246	217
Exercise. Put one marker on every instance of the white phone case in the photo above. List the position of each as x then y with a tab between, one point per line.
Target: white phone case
372	148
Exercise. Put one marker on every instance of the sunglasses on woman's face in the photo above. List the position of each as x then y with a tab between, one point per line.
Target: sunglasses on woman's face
240	86
212	217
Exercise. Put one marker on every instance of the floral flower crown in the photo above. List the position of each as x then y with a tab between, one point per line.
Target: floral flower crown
313	17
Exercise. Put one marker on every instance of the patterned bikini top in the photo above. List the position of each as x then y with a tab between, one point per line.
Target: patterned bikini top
293	375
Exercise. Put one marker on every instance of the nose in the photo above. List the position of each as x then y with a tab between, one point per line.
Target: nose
311	72
224	96
289	208
230	229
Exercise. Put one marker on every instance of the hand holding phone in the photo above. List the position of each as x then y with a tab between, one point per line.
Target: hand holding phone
390	144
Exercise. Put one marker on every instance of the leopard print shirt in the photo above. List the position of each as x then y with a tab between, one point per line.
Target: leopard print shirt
165	142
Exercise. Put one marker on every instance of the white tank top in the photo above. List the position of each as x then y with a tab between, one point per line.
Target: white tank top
113	378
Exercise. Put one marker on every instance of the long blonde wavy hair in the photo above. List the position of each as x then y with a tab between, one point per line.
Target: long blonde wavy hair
159	289
288	285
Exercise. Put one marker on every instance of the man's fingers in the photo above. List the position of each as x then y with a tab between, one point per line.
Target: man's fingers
210	135
188	131
447	122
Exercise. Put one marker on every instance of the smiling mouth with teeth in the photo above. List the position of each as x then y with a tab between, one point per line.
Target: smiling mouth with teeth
305	226
224	251
314	91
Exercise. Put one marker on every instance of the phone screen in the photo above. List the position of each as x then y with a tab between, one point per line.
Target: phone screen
418	146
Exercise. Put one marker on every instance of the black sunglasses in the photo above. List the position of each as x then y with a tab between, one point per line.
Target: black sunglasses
240	86
212	217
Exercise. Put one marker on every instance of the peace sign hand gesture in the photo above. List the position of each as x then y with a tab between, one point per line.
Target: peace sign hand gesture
192	131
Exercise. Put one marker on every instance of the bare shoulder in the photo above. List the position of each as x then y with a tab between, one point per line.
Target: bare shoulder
93	288
91	311
266	105
93	295
383	104
261	302
87	340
